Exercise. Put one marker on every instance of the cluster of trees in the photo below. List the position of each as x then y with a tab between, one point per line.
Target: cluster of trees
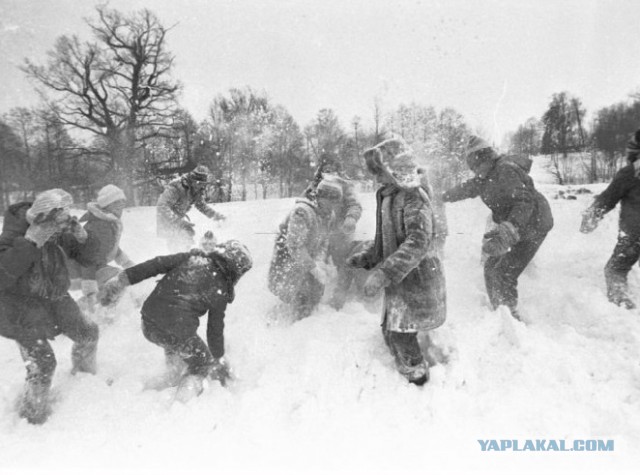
110	113
579	151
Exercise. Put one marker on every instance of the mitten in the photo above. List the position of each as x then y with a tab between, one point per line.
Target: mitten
221	371
357	260
113	289
349	225
77	230
500	240
590	219
375	283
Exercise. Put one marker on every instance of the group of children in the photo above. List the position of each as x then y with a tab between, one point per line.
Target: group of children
42	247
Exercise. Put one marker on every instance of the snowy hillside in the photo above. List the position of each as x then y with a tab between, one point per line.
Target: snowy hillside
322	394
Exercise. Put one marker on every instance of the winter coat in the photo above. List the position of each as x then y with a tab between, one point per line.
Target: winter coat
405	250
103	244
350	206
191	287
29	272
624	188
302	239
174	204
509	192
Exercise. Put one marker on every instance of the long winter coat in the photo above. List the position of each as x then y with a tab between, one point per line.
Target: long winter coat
174	204
31	274
509	192
103	244
191	287
405	250
624	188
303	237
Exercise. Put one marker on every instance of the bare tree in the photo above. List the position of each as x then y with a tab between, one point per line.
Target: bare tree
117	87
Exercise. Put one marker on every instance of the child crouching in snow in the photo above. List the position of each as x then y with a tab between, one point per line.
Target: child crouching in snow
194	283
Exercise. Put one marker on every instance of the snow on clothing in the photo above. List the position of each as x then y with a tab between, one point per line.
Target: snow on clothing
35	306
340	241
104	230
405	250
303	239
192	286
623	189
509	192
174	204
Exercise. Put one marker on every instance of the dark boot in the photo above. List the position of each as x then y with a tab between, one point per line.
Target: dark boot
41	364
617	288
34	405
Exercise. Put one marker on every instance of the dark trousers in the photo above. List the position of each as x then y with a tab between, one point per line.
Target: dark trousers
38	320
625	255
501	272
192	350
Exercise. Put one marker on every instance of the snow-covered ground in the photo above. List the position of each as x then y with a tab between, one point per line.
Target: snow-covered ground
322	394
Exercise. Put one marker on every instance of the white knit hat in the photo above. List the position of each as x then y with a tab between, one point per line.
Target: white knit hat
110	194
48	201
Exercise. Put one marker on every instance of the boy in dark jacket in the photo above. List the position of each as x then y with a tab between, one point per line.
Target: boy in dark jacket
522	216
624	188
194	283
35	305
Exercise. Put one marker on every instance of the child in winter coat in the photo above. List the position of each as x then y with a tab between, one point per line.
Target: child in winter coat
104	229
624	188
296	274
522	216
404	258
193	284
174	204
343	228
35	305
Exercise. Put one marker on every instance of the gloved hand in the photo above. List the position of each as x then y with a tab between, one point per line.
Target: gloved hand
113	289
221	371
77	230
590	219
188	227
357	260
500	240
375	283
349	225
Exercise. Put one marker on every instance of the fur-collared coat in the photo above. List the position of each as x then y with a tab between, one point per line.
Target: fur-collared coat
175	202
302	239
405	249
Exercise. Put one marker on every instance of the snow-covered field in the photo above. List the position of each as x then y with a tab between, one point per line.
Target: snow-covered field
322	394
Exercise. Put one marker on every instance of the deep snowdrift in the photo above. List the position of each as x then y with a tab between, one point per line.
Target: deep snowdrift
322	394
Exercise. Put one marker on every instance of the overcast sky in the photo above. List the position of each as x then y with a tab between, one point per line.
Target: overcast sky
496	62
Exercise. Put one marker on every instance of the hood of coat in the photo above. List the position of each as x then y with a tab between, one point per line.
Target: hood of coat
15	222
94	211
